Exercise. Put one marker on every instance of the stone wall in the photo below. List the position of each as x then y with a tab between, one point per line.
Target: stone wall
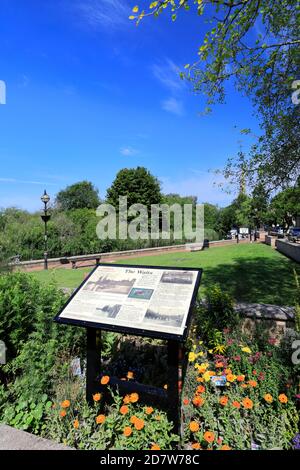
292	250
269	240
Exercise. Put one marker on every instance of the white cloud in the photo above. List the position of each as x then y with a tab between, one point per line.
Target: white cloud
128	151
17	181
167	74
108	14
173	105
204	186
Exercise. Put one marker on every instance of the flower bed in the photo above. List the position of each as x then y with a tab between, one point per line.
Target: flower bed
255	407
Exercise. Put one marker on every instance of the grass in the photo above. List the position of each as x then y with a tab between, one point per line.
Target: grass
250	272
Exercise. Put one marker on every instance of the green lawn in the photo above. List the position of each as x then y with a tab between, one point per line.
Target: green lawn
252	272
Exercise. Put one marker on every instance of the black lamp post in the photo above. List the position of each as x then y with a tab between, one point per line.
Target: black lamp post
45	217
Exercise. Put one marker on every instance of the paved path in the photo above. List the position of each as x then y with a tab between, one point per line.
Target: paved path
14	439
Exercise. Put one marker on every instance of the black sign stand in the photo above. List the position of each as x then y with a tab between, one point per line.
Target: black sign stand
93	362
175	349
172	395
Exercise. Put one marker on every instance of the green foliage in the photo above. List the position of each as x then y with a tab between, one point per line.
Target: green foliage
215	314
26	414
82	195
33	340
297	305
109	433
256	405
285	206
138	184
264	67
22	302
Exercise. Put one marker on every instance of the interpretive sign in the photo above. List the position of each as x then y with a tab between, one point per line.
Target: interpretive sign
142	300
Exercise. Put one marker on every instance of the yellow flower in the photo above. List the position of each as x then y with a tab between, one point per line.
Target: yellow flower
206	376
246	350
220	349
192	356
201	354
135	9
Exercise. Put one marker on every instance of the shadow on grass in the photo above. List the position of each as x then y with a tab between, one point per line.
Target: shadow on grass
258	280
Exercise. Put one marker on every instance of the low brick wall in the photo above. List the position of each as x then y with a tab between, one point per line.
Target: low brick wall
113	256
269	240
292	250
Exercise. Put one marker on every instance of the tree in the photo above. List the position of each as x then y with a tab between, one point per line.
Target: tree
260	205
81	195
138	184
211	216
256	43
285	206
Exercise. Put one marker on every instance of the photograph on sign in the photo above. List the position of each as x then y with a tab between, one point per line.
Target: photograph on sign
140	298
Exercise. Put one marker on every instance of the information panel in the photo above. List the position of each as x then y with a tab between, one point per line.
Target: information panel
147	300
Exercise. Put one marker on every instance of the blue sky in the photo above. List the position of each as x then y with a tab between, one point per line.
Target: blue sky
89	93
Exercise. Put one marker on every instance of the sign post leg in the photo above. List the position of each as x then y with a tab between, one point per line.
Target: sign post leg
173	383
93	363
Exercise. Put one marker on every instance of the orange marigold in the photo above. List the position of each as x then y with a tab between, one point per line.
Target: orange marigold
126	400
198	401
127	431
209	436
105	380
283	398
185	401
76	424
268	398
225	447
240	378
134	397
219	364
252	383
236	404
155	447
228	371
124	410
100	419
65	404
149	410
230	377
196	446
247	403
200	389
139	424
97	397
194	426
62	413
223	401
133	419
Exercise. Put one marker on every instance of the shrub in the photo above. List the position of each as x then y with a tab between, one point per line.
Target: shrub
215	314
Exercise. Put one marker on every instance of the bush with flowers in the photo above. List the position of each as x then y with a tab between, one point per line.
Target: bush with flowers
114	423
254	406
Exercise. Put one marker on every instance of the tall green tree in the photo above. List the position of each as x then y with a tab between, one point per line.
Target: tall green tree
285	207
256	44
138	184
81	195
